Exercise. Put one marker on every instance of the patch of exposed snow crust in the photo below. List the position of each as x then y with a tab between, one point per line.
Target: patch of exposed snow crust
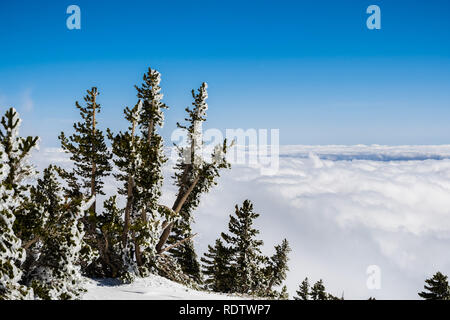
151	288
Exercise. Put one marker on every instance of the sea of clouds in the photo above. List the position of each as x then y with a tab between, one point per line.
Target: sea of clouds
342	208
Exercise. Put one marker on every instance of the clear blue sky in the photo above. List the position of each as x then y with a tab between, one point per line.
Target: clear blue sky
310	68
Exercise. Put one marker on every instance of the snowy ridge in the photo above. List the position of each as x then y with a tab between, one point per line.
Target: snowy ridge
150	288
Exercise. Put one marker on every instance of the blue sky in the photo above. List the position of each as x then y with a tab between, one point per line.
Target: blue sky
309	68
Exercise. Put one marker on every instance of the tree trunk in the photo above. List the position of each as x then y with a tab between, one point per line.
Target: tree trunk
137	250
94	168
130	196
176	207
177	243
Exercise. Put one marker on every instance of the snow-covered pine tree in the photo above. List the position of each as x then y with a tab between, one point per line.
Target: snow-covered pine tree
303	291
87	148
436	288
14	170
147	223
88	151
12	255
139	156
194	176
276	271
125	148
17	152
283	295
110	225
55	271
245	247
216	268
318	291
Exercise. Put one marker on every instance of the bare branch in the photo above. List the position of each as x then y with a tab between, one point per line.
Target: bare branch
177	243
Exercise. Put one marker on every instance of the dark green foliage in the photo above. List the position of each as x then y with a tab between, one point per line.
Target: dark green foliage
146	216
245	248
87	147
217	268
283	295
276	271
437	288
318	291
110	225
14	170
151	115
239	266
188	260
16	151
54	251
192	170
91	158
139	156
40	214
303	292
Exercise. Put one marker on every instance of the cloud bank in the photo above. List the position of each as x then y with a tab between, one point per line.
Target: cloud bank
342	208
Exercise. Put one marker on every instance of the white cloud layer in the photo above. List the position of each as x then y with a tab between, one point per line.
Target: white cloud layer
342	208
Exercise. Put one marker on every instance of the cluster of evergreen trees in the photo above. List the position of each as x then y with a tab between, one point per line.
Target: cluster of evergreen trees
41	231
53	229
235	262
436	288
315	292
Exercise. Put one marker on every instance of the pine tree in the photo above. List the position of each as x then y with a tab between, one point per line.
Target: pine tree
318	291
278	265
12	255
437	288
194	176
88	151
110	225
245	248
125	147
139	156
38	215
55	274
149	178
217	268
11	252
187	171
17	151
303	293
14	170
283	295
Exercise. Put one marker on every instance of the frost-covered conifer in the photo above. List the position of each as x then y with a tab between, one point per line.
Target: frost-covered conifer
318	291
139	156
147	218
57	271
11	253
217	268
14	172
245	247
88	151
436	288
303	292
277	268
194	176
87	147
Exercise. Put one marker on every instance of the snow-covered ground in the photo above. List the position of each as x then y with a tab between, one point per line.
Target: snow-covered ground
151	288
